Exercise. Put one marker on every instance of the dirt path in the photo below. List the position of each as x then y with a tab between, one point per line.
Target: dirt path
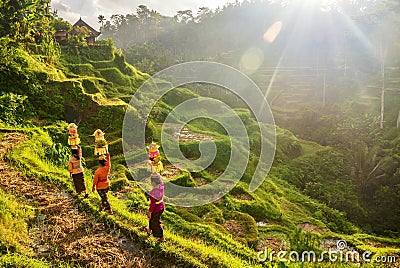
62	232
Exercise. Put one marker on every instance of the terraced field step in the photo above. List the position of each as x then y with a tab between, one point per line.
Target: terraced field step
60	230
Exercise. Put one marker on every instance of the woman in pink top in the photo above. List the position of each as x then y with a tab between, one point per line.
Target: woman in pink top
156	207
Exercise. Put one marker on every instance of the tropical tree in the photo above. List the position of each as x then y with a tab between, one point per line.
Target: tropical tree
101	19
143	14
156	19
398	120
184	16
365	165
119	20
203	13
18	18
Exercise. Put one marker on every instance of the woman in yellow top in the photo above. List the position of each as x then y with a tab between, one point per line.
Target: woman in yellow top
76	170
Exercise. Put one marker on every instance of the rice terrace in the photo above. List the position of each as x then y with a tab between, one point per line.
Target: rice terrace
247	133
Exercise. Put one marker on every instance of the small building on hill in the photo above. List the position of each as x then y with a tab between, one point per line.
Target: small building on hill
92	35
62	36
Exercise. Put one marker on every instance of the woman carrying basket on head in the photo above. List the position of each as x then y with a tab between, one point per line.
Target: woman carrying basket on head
101	182
76	170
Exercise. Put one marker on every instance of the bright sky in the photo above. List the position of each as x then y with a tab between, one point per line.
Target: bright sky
71	10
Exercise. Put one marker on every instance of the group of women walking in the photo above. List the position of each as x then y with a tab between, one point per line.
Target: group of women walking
101	184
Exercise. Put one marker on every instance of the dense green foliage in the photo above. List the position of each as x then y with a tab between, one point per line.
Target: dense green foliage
12	108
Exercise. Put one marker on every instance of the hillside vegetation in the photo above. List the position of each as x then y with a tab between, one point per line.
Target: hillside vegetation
321	188
227	233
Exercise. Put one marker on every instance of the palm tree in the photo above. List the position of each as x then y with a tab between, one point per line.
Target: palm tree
365	165
101	19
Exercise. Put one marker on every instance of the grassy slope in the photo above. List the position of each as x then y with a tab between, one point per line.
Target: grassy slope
191	252
198	241
99	85
15	243
15	218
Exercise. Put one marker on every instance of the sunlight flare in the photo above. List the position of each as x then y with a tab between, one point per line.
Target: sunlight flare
272	32
251	60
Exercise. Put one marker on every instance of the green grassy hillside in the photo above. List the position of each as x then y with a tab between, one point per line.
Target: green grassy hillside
227	233
93	87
